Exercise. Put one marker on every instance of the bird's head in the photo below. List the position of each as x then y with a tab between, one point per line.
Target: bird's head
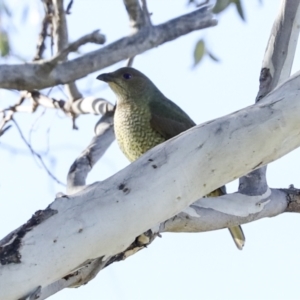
129	84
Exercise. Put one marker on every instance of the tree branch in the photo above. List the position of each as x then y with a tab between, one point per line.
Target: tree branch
146	12
38	75
136	15
94	37
231	209
105	218
40	48
8	113
276	68
87	105
281	47
85	162
60	33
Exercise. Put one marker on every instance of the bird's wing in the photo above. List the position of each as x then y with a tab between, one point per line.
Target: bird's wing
168	119
166	127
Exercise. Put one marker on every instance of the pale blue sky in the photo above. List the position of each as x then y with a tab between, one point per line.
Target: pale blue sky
177	266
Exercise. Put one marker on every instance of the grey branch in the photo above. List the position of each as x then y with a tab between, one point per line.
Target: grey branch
293	199
60	35
94	37
136	15
146	12
40	48
60	30
38	75
76	179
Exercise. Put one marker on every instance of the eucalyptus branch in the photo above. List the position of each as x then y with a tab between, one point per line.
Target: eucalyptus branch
86	105
276	67
135	13
94	37
60	34
151	189
79	170
40	48
38	75
281	47
146	12
7	114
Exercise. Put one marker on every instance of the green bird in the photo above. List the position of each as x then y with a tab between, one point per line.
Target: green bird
144	118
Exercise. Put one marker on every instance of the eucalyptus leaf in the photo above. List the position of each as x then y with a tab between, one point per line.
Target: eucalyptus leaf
4	44
199	51
221	5
239	8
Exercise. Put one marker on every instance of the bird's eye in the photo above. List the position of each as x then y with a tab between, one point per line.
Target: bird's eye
127	76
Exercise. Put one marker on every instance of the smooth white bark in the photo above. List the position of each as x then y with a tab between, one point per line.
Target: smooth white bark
282	42
105	218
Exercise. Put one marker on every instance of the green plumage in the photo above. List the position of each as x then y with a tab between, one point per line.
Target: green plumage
133	133
144	118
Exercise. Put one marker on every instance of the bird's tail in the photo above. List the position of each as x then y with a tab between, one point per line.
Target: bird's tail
238	236
237	231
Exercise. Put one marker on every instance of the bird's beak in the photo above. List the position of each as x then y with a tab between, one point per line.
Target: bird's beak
107	77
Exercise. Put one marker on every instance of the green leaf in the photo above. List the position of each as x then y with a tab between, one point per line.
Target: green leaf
223	4
199	52
220	6
239	8
4	44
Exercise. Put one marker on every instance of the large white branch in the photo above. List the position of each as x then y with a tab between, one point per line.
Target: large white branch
282	42
231	209
105	218
276	68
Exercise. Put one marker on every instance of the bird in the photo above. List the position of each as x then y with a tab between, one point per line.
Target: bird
144	118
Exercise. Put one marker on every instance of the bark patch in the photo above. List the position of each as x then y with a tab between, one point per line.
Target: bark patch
10	245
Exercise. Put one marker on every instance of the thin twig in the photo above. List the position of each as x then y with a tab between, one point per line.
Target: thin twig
40	48
130	61
4	130
95	37
69	6
146	13
7	114
33	125
36	154
15	106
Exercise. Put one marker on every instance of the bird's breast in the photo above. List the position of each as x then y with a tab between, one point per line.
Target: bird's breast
133	131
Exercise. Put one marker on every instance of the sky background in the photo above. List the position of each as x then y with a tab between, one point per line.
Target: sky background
177	266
